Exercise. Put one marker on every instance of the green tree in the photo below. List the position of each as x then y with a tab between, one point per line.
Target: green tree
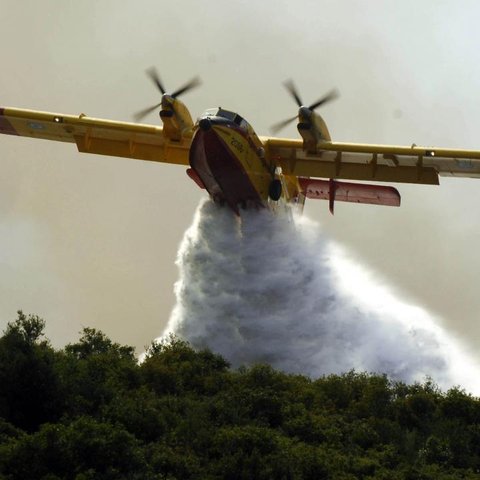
91	411
84	447
173	366
94	371
30	392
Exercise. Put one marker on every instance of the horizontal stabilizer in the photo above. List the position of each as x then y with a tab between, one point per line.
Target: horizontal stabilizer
349	192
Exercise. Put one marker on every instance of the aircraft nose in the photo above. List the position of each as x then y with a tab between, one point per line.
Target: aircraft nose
205	124
305	112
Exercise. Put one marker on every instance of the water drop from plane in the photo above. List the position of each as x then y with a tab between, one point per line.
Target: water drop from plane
276	290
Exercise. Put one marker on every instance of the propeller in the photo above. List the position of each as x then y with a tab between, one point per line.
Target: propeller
290	86
153	74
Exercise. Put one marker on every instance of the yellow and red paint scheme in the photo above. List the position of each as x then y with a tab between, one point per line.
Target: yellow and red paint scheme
228	158
238	168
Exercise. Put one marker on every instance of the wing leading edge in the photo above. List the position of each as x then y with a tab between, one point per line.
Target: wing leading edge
93	135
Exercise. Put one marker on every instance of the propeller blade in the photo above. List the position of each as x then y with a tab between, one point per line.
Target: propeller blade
194	82
153	74
290	86
278	126
327	98
143	113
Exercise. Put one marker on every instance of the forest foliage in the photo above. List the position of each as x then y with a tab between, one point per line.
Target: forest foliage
91	411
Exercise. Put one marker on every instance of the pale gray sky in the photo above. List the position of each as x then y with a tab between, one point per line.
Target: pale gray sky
91	241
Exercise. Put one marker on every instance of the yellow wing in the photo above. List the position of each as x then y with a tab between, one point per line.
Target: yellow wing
382	163
93	135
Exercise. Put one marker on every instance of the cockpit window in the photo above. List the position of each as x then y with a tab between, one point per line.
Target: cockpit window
239	120
226	114
211	112
232	116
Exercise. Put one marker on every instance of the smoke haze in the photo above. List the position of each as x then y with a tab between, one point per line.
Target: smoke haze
274	289
91	240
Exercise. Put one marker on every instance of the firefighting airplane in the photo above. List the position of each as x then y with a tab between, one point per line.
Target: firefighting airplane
224	155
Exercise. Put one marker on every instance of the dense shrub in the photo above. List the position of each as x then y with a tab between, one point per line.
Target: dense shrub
90	410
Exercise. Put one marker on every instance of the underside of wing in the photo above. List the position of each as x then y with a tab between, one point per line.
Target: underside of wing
381	163
350	192
92	135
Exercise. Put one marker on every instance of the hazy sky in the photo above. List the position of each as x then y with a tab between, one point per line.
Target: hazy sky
91	241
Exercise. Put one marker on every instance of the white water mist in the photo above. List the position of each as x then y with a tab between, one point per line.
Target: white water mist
275	290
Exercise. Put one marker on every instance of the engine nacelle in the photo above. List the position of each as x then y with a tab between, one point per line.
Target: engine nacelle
177	121
312	128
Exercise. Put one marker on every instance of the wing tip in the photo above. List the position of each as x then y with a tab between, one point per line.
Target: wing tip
6	127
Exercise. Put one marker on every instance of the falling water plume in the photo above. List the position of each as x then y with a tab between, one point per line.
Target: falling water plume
272	288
